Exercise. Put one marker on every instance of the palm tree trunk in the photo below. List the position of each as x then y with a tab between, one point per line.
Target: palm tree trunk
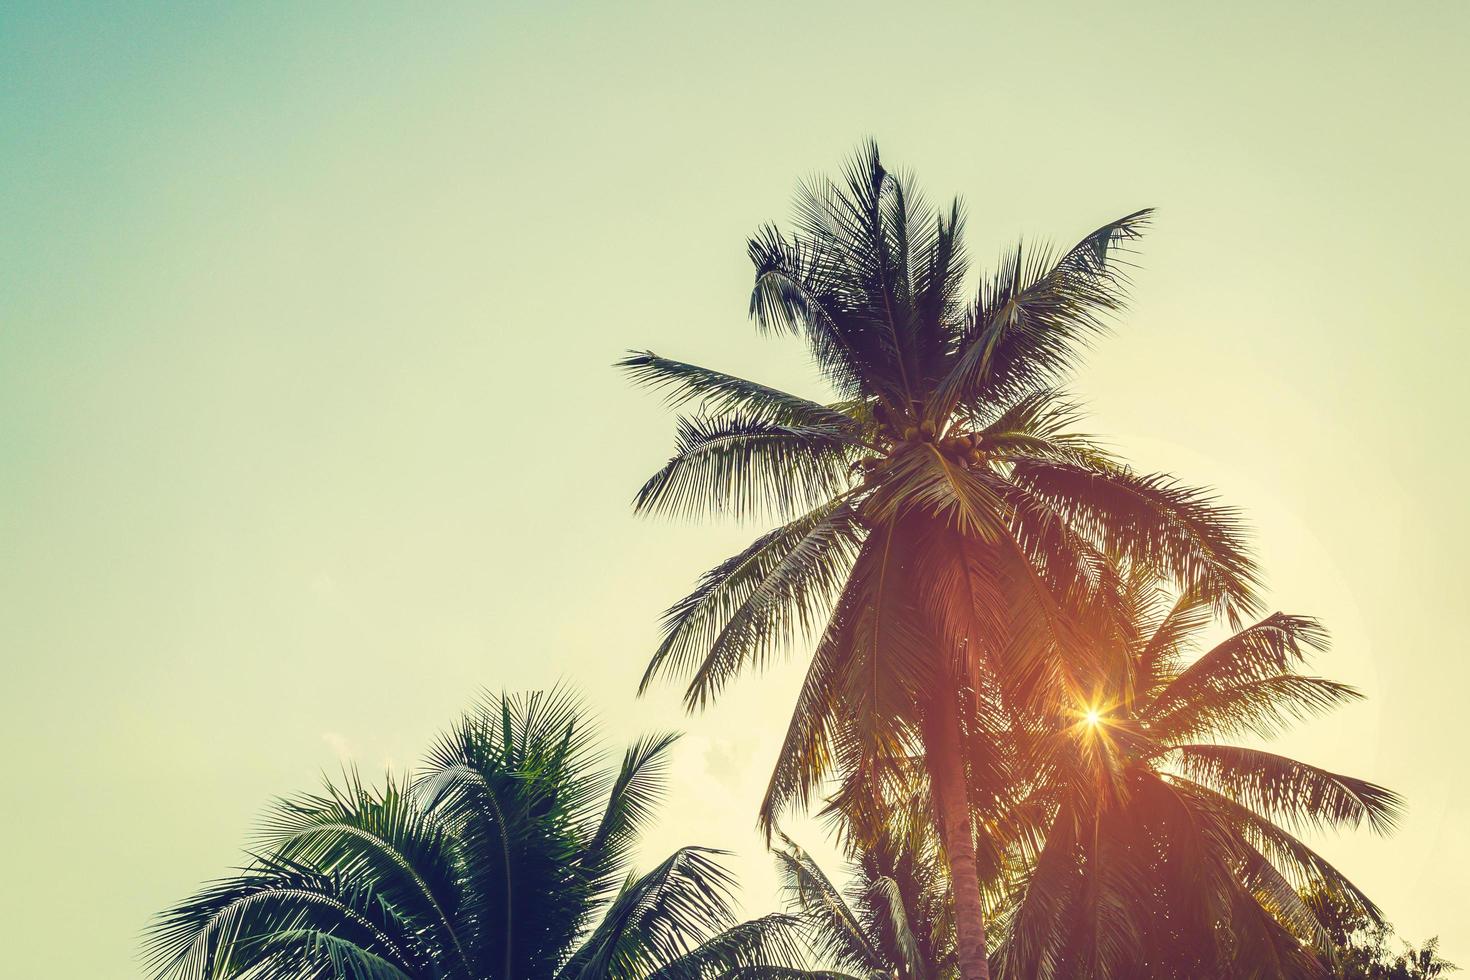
944	758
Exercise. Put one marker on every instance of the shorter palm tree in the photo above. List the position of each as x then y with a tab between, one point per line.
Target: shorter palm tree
1364	948
507	859
1425	963
1150	847
893	921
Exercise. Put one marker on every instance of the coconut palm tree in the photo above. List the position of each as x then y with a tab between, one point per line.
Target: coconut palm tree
939	503
893	921
1425	963
507	859
1152	846
1363	947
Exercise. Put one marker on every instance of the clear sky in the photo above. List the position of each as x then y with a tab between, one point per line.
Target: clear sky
308	429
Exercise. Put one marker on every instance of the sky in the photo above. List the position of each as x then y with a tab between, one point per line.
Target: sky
308	429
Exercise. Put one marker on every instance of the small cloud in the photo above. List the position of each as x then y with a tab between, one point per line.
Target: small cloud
339	744
725	762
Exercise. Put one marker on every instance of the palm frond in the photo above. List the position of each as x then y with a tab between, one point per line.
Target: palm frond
797	291
1288	790
890	659
722	394
832	930
806	755
884	891
1293	857
757	945
924	480
516	782
657	918
1035	931
793	973
1034	314
1264	708
1167	642
1283	901
236	924
739	464
636	791
332	955
1155	522
377	836
752	603
1276	645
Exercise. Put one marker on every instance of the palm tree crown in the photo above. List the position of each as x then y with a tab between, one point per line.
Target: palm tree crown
1147	846
939	517
506	859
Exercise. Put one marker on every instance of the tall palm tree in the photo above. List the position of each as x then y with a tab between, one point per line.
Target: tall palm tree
506	860
938	504
1150	846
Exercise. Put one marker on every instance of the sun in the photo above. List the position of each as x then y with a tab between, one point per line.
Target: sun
1093	716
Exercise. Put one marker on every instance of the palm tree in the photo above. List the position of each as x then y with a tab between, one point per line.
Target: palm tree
939	504
1154	848
1362	945
507	859
1425	963
894	921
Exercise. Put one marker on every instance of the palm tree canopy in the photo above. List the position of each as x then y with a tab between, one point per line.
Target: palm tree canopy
893	920
940	501
507	858
1365	948
1150	846
938	507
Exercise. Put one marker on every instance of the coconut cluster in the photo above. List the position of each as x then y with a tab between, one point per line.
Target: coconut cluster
899	434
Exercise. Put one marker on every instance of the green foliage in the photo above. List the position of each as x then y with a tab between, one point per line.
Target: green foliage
1116	837
1137	845
507	858
941	523
892	921
975	576
939	503
1364	948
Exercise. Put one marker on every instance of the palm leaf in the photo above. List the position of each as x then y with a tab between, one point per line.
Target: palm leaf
753	945
721	394
833	931
739	464
658	918
1264	707
758	599
1275	645
636	791
1286	789
1153	522
1033	315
